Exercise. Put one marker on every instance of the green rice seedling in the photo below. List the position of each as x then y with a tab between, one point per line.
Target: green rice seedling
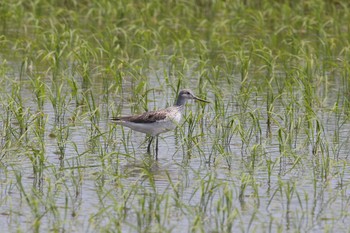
341	170
315	136
340	120
6	133
14	114
245	61
227	135
39	118
62	135
227	213
84	71
73	191
176	73
282	137
198	224
58	101
31	201
75	91
324	160
247	133
127	142
61	128
39	90
177	189
289	192
244	183
16	105
112	85
149	213
93	113
269	168
36	145
207	191
269	111
187	146
37	159
314	127
228	157
256	126
269	65
291	118
52	53
225	129
257	152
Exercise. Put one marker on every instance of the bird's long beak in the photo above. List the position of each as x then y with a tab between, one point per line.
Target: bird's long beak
199	99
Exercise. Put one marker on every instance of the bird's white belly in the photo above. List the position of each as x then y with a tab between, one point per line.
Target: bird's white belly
152	129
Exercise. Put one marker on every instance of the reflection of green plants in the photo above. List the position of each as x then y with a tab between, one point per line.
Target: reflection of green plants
227	213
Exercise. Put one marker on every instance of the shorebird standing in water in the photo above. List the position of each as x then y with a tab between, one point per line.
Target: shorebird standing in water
154	123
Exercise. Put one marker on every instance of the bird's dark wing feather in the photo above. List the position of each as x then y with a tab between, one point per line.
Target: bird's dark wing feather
147	117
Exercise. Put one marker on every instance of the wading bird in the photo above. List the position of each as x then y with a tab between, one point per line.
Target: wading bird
160	121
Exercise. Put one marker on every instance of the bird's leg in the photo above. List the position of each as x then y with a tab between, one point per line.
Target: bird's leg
149	145
157	148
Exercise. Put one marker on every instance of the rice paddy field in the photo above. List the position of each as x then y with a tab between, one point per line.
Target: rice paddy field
270	153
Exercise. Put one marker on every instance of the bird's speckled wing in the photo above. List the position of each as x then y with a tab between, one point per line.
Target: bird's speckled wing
147	117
